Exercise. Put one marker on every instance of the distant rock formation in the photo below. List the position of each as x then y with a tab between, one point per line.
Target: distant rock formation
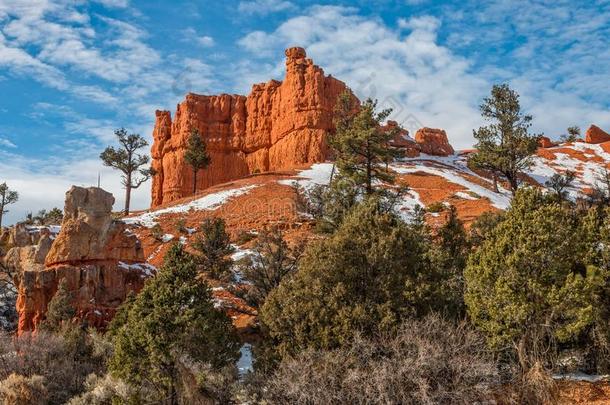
596	135
280	125
433	142
545	142
99	257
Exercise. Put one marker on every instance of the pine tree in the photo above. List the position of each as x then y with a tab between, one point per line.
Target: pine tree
572	135
272	261
559	183
129	162
529	285
365	278
361	147
504	146
170	322
196	155
7	197
213	248
449	253
60	310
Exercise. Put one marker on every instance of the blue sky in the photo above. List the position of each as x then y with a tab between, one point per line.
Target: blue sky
72	71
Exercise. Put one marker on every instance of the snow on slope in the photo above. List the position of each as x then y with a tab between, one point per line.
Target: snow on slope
587	169
453	168
208	202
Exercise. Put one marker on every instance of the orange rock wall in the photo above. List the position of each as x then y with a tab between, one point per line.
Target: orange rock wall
280	125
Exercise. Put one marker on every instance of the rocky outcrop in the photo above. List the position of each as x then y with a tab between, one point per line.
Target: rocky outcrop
433	142
98	257
545	142
280	125
596	135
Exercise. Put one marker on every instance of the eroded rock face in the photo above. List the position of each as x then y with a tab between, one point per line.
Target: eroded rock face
596	135
545	142
100	259
280	125
433	142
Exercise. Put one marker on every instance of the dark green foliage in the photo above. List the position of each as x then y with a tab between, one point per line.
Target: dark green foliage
272	261
559	183
169	329
572	135
528	285
438	206
505	145
365	278
129	162
52	217
600	195
7	197
60	311
213	248
196	155
360	145
482	227
448	255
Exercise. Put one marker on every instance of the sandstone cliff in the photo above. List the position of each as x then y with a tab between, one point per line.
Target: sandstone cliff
280	125
99	257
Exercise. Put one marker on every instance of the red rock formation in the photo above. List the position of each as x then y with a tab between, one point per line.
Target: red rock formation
280	125
100	259
545	142
433	142
596	135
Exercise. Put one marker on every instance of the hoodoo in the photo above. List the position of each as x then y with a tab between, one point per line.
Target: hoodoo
280	125
101	260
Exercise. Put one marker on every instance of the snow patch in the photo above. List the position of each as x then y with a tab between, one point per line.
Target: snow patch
208	202
244	364
318	174
147	269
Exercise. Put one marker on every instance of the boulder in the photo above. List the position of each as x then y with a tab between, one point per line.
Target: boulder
280	125
596	135
433	142
98	257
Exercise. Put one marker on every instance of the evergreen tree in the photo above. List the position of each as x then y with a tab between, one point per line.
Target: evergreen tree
505	145
365	278
559	183
272	261
171	324
213	248
7	196
572	135
361	147
128	161
196	155
528	285
448	254
60	310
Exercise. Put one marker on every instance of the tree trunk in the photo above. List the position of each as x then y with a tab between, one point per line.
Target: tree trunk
1	210
495	178
128	194
194	181
369	181
332	173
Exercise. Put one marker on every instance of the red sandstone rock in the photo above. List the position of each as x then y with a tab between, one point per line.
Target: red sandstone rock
545	142
596	135
433	142
100	259
280	125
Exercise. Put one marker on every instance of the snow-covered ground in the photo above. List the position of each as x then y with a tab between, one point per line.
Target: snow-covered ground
147	269
208	202
319	173
453	168
244	364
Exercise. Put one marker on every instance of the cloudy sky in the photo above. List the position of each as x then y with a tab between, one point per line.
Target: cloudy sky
71	71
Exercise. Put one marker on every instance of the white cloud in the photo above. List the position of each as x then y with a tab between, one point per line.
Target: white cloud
7	143
263	7
190	35
113	3
42	184
408	71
